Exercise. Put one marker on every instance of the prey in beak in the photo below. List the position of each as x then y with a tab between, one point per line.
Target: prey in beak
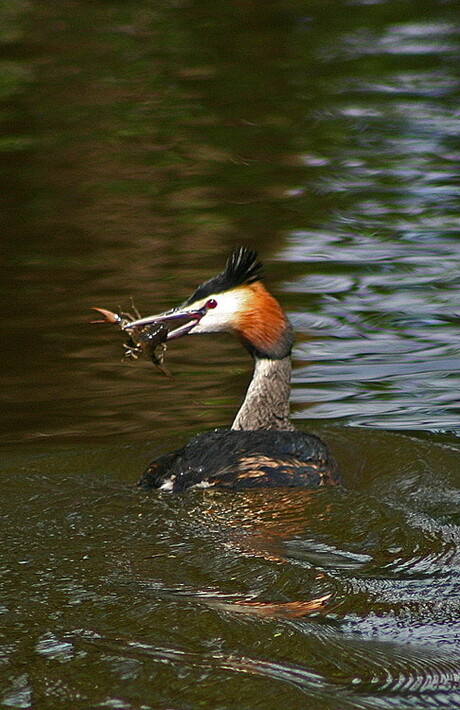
185	318
146	340
148	336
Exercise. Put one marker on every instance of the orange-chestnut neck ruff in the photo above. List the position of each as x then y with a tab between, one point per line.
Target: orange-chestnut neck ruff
262	325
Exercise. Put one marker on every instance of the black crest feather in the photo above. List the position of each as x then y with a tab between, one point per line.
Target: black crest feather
242	267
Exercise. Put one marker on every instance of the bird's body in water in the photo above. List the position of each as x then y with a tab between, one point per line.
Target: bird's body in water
262	448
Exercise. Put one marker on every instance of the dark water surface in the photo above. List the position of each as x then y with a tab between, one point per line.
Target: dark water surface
140	142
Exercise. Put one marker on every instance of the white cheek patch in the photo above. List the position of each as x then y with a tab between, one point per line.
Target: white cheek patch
225	315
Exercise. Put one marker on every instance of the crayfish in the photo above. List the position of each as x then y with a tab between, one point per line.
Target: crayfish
148	340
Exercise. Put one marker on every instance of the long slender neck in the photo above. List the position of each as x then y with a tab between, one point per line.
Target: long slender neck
266	405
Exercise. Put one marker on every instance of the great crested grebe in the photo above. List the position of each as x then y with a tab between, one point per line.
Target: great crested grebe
262	448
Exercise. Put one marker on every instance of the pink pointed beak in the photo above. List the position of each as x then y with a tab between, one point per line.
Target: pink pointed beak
191	317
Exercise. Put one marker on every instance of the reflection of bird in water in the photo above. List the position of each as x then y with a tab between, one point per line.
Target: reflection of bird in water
262	448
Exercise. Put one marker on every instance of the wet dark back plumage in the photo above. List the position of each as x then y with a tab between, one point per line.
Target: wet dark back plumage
245	459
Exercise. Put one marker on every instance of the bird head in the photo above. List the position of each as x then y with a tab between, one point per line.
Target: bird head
234	301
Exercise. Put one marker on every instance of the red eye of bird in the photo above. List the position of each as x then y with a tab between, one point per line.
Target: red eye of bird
212	303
